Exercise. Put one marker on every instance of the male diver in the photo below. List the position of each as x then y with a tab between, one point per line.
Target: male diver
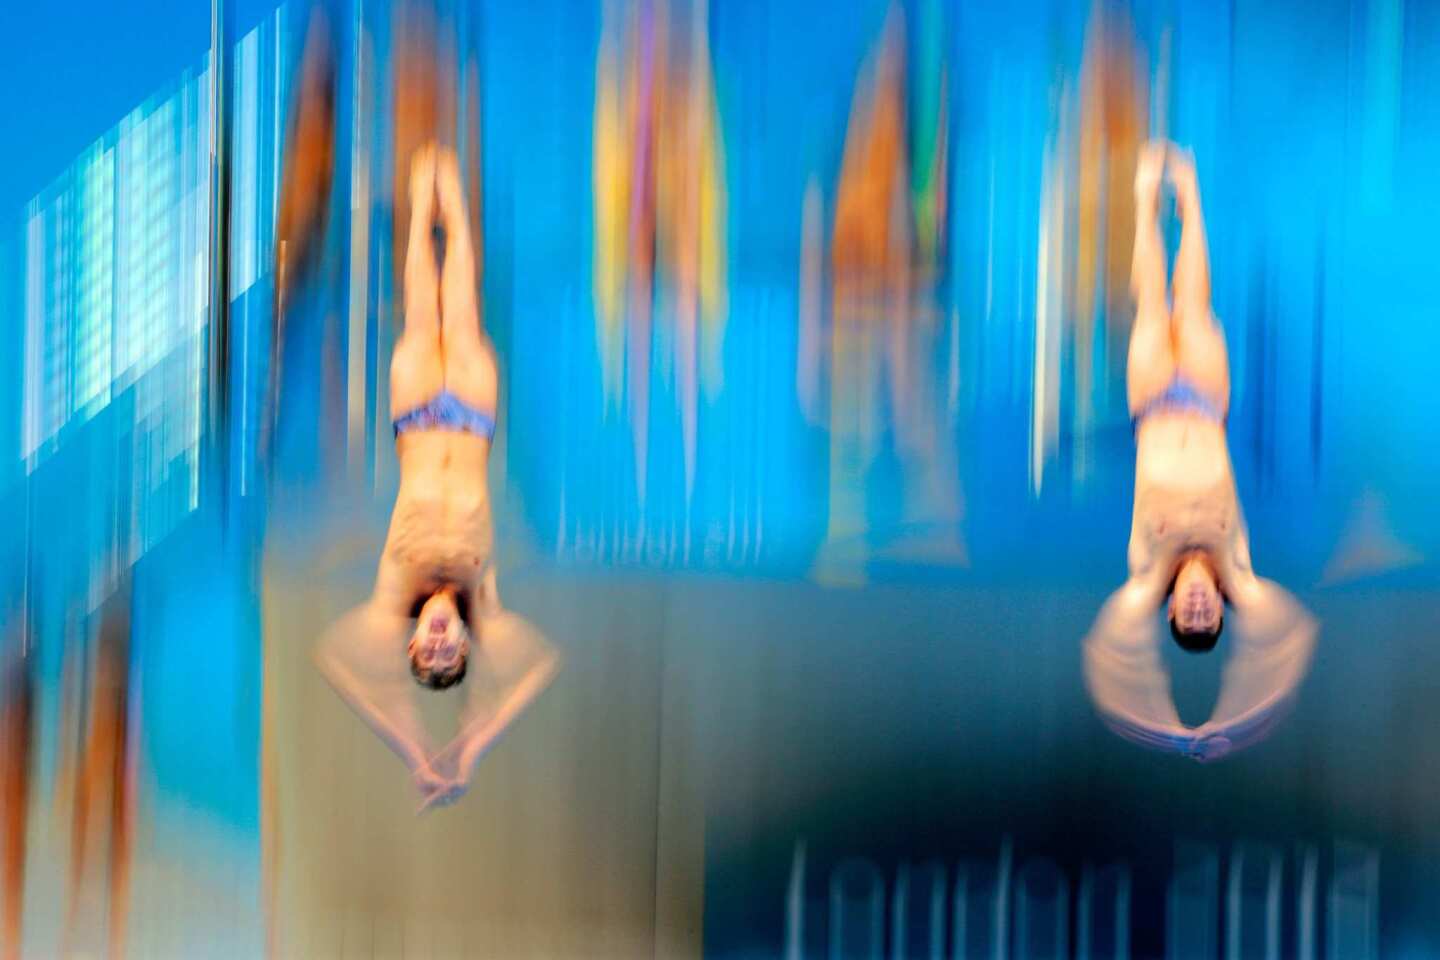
1188	544
436	569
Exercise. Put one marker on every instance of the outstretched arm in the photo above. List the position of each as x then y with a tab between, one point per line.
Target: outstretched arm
1274	643
1124	674
363	658
511	664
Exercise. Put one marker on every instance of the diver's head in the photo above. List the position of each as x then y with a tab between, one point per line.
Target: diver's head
1197	610
440	644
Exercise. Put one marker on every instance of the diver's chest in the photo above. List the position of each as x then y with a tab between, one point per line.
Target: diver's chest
1189	516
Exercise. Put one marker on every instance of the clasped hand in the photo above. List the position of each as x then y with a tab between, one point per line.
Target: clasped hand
441	780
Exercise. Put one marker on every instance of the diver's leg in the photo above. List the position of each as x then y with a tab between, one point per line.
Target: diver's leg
469	363
1151	364
416	373
1199	342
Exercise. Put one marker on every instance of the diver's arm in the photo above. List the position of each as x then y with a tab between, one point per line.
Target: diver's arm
511	664
396	590
353	657
1124	674
1122	653
485	597
480	733
1274	641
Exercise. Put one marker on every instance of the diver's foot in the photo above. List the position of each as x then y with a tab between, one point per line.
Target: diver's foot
1149	172
448	188
1180	167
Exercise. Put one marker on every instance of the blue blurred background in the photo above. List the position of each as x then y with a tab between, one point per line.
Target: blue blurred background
820	561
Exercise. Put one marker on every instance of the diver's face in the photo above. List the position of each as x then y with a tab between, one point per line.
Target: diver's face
438	644
1195	604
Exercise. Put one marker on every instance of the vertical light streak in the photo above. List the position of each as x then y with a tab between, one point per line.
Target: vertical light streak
809	352
1049	285
1243	897
36	378
215	374
1043	406
1041	371
1042	920
359	253
1353	901
795	905
245	228
202	208
245	157
1308	871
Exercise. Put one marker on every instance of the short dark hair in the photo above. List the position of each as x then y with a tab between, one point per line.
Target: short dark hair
439	679
1197	641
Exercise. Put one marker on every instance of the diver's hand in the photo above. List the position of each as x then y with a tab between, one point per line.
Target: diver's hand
444	782
1180	165
444	795
430	784
1208	746
1149	172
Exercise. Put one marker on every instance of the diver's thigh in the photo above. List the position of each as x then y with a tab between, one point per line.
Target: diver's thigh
1151	363
1201	354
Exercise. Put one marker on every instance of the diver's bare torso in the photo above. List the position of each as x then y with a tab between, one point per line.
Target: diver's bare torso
1185	497
440	531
